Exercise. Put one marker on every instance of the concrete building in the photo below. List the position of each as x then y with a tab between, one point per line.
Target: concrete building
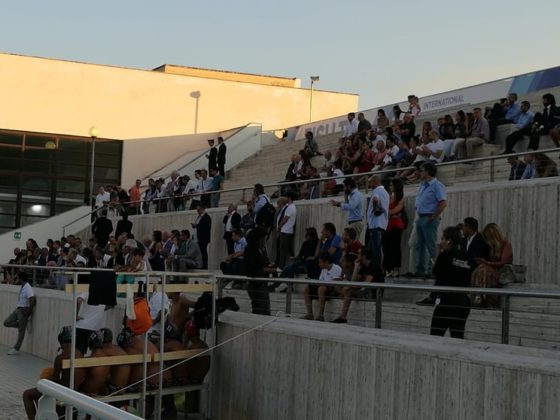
49	105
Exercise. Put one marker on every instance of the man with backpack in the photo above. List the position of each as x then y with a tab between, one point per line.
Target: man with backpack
263	209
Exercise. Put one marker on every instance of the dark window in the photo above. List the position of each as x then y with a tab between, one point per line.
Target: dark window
9	138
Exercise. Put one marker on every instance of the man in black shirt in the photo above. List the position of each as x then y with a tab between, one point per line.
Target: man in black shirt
123	225
222	150
363	127
451	269
203	226
212	155
407	128
102	228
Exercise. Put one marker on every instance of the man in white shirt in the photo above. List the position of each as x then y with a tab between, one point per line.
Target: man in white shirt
329	272
377	218
155	310
350	128
285	223
102	198
90	318
434	150
20	316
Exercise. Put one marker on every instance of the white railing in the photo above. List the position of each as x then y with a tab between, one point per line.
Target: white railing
75	401
240	146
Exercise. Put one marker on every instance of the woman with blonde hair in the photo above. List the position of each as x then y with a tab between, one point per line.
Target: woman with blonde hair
487	273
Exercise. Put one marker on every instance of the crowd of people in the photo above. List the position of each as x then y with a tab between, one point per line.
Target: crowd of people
176	194
368	249
370	242
364	147
392	144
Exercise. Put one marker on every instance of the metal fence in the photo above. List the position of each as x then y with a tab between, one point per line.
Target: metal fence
377	291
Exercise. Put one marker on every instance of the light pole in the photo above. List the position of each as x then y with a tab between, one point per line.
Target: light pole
93	133
314	79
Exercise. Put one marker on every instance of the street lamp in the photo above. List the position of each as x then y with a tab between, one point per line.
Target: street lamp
314	79
93	133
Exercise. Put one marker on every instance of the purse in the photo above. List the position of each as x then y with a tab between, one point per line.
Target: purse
512	273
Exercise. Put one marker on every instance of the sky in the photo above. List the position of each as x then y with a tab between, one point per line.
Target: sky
382	51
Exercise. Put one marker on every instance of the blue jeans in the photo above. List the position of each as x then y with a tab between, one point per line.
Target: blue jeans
426	237
293	268
375	244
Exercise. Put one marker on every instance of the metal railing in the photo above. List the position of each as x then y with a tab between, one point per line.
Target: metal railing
378	288
53	392
284	184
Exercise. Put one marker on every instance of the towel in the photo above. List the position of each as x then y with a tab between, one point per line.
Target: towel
103	288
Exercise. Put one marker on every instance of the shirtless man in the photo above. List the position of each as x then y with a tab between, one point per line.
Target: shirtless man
198	367
135	345
178	316
96	375
120	374
31	396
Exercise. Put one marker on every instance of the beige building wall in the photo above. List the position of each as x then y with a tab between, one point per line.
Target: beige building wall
63	97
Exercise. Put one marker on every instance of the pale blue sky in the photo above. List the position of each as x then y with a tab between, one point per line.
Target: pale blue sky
380	50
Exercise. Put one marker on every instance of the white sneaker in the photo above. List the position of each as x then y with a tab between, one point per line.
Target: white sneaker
13	352
282	288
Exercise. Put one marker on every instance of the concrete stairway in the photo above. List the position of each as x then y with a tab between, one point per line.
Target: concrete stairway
269	166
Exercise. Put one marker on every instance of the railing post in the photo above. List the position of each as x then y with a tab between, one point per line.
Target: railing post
73	338
46	409
505	319
162	318
289	292
492	167
220	287
378	305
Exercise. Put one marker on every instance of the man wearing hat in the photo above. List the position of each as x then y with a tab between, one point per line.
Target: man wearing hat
431	200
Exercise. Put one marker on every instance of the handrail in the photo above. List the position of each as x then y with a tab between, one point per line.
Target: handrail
53	392
371	173
505	294
237	130
86	270
392	286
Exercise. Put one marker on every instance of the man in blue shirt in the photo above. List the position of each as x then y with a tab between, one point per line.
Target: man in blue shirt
377	218
431	200
510	111
517	168
522	127
353	206
529	171
329	242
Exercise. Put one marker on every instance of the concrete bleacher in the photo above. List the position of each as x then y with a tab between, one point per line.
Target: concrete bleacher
533	322
270	164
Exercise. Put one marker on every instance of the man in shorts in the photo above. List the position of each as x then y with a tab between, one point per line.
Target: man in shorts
329	272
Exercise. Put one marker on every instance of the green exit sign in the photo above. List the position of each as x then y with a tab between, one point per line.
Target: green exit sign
17	235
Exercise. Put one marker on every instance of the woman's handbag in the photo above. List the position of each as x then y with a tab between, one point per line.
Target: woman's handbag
512	273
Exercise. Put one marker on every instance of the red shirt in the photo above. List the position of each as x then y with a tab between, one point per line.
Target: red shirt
395	221
134	196
353	247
